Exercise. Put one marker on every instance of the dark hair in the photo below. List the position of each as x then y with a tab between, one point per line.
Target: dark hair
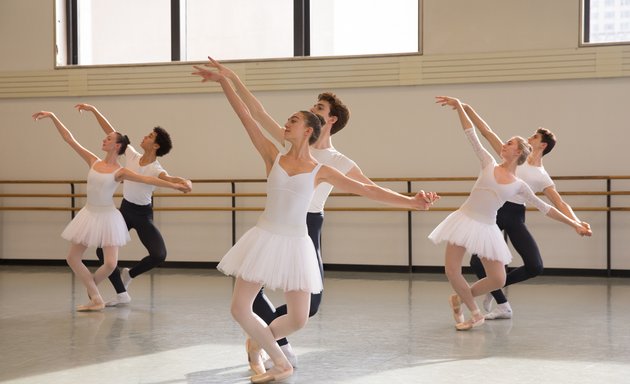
337	109
314	121
123	140
546	136
163	139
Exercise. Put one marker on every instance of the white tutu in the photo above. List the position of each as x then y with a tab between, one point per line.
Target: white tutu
277	261
97	226
483	239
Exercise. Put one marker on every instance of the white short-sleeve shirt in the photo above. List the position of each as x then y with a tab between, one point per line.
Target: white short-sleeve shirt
134	192
536	177
332	158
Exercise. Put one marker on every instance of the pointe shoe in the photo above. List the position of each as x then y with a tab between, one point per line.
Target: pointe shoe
272	376
254	358
456	306
97	305
475	321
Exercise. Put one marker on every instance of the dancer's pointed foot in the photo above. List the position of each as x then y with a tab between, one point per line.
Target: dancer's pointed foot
274	374
475	321
95	304
254	357
456	306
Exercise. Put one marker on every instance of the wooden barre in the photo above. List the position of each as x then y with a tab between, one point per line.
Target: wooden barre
376	179
262	194
329	209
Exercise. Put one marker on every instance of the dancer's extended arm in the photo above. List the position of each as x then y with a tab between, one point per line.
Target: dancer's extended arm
102	121
86	155
495	141
255	107
421	201
552	212
265	147
483	155
127	174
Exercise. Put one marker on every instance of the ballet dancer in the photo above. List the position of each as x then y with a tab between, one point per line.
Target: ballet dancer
99	223
472	228
336	115
277	252
136	206
511	216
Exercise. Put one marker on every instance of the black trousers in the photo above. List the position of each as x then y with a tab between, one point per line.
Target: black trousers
511	220
264	308
140	218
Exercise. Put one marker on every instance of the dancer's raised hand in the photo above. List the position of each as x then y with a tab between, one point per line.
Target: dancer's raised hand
207	74
447	100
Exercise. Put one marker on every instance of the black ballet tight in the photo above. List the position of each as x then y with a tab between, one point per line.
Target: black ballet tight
264	308
511	219
140	218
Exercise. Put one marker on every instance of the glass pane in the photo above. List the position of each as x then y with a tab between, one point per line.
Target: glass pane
238	29
363	27
609	21
124	31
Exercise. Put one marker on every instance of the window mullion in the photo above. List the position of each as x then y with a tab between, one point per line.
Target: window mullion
175	31
301	28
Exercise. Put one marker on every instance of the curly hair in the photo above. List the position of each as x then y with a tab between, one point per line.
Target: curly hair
163	139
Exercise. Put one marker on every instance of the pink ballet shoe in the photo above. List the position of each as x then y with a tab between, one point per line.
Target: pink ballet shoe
272	375
456	306
93	305
254	357
475	321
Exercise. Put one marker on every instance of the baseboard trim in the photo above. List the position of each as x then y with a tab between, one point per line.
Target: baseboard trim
332	267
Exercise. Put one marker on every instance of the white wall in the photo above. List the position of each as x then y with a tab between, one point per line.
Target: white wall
393	132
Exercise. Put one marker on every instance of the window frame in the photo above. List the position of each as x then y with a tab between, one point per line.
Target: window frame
301	40
584	29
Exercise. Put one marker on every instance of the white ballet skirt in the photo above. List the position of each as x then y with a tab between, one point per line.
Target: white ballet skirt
98	223
482	239
277	252
473	226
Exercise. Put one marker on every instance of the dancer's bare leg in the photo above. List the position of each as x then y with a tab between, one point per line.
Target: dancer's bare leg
298	306
453	268
110	261
495	278
75	261
254	326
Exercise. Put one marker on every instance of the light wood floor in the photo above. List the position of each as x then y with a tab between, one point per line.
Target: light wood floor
371	328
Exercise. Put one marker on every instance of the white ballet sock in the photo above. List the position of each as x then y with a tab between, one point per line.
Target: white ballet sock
126	278
121	298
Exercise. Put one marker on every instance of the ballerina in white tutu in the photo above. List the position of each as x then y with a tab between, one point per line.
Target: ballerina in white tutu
99	223
472	228
277	253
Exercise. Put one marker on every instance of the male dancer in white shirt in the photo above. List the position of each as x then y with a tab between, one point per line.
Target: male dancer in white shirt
336	116
137	204
511	216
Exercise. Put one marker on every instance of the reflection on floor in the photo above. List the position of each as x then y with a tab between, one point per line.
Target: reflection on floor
371	328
